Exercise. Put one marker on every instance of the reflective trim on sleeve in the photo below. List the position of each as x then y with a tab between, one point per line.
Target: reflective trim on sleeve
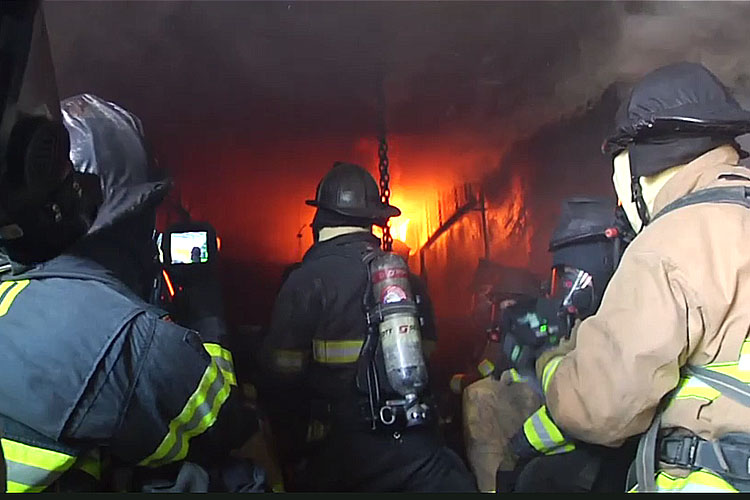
199	413
223	358
288	360
13	289
336	351
544	436
549	371
485	367
31	469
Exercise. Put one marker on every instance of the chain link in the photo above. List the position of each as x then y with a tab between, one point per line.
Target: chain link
385	190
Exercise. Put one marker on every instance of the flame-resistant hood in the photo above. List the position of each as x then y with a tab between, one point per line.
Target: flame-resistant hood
108	141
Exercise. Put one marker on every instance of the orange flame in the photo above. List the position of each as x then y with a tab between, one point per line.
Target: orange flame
168	282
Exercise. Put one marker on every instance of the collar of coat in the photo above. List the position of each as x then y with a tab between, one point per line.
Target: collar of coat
701	173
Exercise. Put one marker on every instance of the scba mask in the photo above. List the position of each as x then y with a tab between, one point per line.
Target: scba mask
574	288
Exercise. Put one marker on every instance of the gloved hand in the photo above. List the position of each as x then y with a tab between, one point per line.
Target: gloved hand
456	383
564	347
530	328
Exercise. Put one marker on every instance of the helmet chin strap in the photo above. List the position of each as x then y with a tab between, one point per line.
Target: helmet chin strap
640	203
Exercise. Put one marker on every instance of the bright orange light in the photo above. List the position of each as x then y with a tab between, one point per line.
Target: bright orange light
218	243
399	228
168	281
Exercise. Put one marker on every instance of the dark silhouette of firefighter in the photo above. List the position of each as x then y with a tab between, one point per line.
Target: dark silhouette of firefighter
345	359
586	247
93	374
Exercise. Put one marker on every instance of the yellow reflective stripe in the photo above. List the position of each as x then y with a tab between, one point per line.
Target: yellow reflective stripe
223	358
531	434
549	371
288	361
37	457
13	292
701	481
5	285
692	388
216	351
485	367
543	434
14	487
199	413
336	351
32	469
515	376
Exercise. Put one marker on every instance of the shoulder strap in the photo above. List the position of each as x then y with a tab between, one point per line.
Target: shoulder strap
727	385
736	195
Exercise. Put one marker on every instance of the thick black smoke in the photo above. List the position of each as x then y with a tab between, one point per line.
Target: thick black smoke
248	103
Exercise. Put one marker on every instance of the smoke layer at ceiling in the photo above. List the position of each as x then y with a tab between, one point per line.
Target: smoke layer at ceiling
248	103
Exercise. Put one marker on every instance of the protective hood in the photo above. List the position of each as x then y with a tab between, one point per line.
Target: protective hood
650	187
677	112
108	141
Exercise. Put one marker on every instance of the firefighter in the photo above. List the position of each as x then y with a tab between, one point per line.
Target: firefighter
482	393
316	350
665	356
586	247
112	378
494	286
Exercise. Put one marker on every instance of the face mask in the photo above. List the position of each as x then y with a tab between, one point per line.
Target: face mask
574	288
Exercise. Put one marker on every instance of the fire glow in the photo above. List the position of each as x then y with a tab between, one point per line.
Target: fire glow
411	227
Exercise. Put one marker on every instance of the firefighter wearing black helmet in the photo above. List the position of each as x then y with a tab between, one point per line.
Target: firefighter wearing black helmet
666	356
312	354
586	247
94	375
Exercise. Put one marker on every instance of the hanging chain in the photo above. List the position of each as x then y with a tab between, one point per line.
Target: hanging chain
385	176
385	190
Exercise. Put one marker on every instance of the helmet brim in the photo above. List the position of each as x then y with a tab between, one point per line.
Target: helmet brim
382	212
688	119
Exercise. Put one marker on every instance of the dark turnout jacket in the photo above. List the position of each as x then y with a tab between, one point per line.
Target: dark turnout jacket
317	332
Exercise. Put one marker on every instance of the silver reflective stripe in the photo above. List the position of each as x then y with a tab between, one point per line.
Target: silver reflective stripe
336	351
549	445
727	385
289	361
30	475
227	368
224	365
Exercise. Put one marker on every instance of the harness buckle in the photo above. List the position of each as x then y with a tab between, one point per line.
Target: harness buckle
681	452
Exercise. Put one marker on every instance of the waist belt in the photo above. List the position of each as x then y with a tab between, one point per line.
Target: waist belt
728	457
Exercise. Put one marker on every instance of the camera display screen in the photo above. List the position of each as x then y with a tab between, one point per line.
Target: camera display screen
190	247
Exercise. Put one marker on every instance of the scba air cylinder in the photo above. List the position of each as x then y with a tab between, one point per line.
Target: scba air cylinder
400	336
